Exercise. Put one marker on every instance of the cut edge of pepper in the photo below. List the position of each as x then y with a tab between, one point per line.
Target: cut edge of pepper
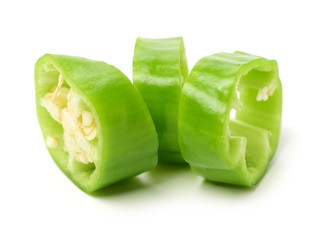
83	175
258	74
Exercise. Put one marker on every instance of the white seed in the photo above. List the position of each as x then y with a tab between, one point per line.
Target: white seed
92	134
87	130
59	84
87	118
83	158
61	80
51	142
263	94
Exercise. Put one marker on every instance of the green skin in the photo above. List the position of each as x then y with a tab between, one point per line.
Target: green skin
127	139
159	70
217	147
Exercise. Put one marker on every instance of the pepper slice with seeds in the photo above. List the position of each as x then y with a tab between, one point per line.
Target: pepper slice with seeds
219	147
95	123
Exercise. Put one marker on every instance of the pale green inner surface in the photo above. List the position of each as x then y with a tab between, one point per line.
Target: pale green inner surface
249	143
79	129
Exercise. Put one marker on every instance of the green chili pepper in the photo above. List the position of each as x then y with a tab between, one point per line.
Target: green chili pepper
95	123
221	148
159	71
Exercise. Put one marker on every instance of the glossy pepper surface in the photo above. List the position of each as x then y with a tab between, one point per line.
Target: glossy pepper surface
232	149
159	71
95	123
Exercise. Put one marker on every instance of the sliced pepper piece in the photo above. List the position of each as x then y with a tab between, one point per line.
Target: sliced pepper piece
223	148
159	71
95	123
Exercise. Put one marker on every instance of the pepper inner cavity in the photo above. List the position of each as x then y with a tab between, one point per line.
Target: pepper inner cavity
79	126
262	81
253	89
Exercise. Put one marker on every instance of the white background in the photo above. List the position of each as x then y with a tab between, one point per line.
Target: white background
292	201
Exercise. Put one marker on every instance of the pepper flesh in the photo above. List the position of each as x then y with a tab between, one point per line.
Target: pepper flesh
159	71
220	148
125	142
